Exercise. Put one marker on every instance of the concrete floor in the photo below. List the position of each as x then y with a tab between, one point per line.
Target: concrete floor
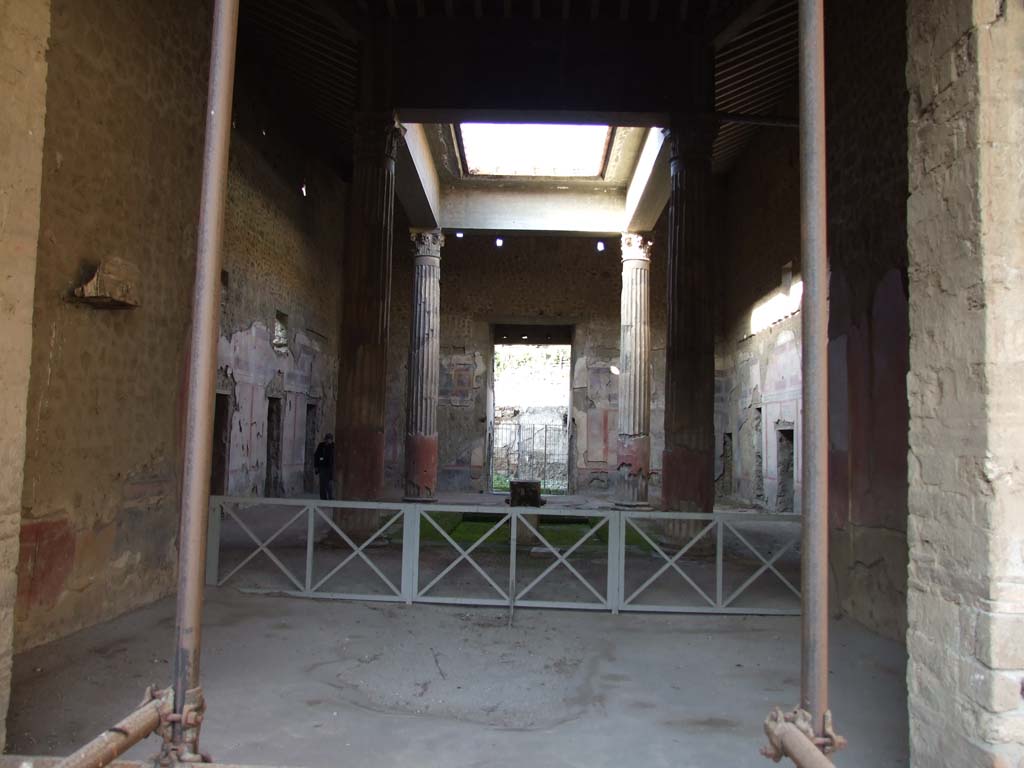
324	683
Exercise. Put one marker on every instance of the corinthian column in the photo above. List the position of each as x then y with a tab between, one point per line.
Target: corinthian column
634	444
366	305
688	460
424	359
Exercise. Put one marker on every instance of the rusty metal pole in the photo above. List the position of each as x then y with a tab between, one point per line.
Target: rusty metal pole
814	318
195	489
115	741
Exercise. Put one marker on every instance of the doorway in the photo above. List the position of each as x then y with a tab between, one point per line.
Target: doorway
272	485
221	445
786	467
308	475
532	390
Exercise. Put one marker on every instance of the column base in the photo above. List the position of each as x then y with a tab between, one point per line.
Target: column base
420	468
360	463
687	480
360	475
634	458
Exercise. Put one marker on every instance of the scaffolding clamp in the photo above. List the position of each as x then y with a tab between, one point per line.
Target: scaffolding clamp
180	732
829	742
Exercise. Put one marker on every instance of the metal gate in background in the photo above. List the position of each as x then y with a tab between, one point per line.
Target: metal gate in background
590	559
530	452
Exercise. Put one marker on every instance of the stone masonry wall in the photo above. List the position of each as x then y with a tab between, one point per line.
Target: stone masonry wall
531	279
282	256
868	336
24	35
965	74
125	103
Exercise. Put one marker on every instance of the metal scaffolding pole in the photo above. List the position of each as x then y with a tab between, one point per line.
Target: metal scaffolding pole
807	732
195	489
814	318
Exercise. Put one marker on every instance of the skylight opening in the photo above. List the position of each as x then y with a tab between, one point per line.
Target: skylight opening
524	149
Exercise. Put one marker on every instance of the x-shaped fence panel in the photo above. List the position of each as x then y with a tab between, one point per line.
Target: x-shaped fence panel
629	560
670	562
262	545
708	534
768	563
358	551
562	594
322	521
464	555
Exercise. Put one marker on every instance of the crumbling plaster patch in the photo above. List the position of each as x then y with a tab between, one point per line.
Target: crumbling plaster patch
282	253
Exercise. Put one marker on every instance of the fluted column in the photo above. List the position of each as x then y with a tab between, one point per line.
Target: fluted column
688	459
424	361
366	306
634	444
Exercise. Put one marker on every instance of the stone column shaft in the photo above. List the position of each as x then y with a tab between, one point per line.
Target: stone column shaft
688	459
424	368
366	306
634	443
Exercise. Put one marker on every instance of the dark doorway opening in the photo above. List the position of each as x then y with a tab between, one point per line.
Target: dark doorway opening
723	486
758	457
273	481
221	444
786	463
308	475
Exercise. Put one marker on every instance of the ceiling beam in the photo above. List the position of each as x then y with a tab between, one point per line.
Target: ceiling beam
649	189
556	117
545	209
754	11
416	182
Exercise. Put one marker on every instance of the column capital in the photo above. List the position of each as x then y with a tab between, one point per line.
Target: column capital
426	243
378	135
636	247
691	138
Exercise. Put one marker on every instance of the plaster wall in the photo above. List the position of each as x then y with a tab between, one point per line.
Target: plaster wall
24	36
868	332
758	374
121	177
965	596
282	256
531	280
126	89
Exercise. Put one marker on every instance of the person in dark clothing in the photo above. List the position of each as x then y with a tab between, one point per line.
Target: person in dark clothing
323	465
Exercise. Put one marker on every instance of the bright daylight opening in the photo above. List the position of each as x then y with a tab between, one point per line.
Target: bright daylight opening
776	308
531	415
500	149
